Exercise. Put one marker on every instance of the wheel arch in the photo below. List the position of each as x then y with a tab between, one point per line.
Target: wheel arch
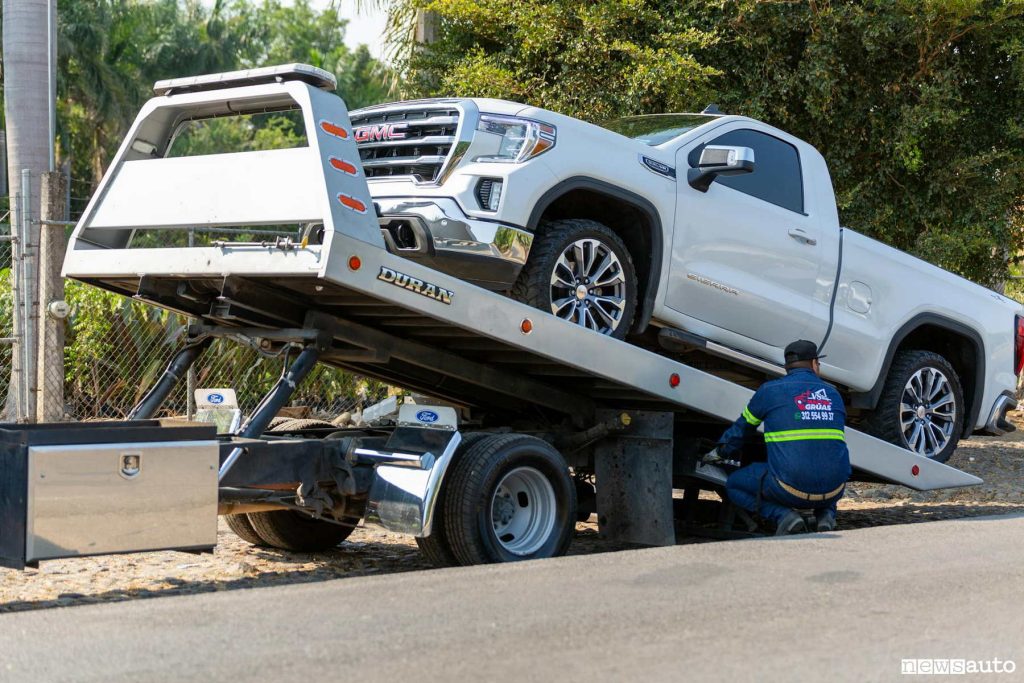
959	344
619	209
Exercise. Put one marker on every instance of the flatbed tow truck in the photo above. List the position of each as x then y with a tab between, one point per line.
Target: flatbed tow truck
499	470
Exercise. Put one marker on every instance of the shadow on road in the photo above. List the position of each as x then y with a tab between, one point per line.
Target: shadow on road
237	565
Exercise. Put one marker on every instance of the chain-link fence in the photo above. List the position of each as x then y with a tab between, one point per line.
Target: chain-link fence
6	301
117	348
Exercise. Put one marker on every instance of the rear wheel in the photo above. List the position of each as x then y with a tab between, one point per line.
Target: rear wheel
291	530
921	407
242	527
581	271
435	547
509	498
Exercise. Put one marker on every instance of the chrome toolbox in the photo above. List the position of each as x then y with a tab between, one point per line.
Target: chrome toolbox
69	490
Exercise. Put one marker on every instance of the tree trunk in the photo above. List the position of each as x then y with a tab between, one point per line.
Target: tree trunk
26	98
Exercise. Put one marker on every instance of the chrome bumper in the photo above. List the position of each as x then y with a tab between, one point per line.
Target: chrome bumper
437	232
997	424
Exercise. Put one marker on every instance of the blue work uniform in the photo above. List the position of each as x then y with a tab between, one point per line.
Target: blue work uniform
808	462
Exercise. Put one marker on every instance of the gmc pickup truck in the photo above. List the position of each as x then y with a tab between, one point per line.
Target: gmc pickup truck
709	235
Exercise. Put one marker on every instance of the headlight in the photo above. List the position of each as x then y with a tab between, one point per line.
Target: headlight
521	139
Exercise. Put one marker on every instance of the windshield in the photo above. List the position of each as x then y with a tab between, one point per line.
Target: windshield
654	129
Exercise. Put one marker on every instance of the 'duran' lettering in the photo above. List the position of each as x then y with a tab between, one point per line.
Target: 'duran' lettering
398	279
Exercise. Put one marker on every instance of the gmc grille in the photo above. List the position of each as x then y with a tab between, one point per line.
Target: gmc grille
406	141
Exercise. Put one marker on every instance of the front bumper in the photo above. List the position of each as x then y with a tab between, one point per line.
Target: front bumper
436	232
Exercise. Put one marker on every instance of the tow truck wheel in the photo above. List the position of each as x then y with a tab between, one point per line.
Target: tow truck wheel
581	271
509	497
291	530
435	547
921	407
242	527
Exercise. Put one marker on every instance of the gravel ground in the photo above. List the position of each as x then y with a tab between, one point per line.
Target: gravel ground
235	564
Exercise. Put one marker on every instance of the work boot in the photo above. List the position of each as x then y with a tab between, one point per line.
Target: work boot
792	523
826	519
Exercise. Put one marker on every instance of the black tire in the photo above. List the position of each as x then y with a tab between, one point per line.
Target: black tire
435	546
473	482
885	420
242	527
534	287
291	530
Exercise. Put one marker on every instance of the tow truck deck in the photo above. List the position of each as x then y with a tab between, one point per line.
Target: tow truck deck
616	411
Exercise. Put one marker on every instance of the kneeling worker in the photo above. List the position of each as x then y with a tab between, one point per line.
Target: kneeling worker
808	462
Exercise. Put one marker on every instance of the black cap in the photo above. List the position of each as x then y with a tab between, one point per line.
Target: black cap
801	350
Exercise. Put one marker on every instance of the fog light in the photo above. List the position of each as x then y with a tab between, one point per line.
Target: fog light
488	193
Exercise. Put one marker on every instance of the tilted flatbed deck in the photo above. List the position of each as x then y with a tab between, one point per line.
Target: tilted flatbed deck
374	312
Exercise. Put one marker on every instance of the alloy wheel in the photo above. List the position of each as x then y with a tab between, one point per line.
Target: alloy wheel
588	286
928	412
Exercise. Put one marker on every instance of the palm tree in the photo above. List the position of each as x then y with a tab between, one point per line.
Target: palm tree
26	97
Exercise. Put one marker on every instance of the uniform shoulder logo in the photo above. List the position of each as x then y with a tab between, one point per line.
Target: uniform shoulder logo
813	400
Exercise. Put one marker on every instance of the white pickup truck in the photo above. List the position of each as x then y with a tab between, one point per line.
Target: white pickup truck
716	236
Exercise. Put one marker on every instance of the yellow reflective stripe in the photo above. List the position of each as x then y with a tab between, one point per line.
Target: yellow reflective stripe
805	435
749	417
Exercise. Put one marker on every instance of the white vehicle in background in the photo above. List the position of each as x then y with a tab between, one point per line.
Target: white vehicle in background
709	235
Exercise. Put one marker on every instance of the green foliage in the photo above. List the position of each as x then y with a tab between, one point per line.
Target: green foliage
916	104
110	52
595	60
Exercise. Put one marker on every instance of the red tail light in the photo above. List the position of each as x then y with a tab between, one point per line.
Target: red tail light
1018	346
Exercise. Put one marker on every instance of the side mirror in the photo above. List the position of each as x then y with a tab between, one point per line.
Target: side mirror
719	160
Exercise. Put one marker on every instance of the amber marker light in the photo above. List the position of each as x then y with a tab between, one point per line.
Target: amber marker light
526	327
355	263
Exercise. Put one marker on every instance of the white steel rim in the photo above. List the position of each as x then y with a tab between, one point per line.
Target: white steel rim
588	286
523	511
928	412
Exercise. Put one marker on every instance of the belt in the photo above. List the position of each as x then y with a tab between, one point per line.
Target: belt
811	496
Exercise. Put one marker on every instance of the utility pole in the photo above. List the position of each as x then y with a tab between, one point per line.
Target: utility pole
52	308
28	47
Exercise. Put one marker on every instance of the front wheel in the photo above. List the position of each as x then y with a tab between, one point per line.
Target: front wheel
921	407
581	271
509	498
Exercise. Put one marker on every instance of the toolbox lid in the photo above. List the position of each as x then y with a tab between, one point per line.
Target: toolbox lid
58	433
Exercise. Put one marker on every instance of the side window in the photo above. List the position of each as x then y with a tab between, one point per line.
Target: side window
776	178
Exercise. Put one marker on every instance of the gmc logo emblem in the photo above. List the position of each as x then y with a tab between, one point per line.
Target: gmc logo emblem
381	132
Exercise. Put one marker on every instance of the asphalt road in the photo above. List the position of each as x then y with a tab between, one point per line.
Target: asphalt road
844	606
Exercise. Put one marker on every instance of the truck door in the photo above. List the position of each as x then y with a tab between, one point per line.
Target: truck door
747	253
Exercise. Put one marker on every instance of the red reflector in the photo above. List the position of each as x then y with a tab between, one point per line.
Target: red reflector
355	263
343	165
673	380
333	129
352	203
526	327
915	470
1018	345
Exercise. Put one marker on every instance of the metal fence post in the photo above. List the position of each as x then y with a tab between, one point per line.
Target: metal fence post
29	292
190	378
15	409
52	309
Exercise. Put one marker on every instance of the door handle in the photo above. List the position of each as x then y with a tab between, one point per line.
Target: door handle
801	236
